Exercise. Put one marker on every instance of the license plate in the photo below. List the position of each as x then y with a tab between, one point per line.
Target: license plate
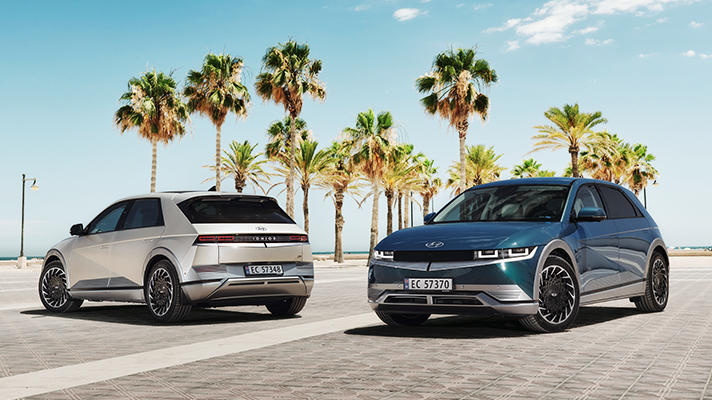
263	270
442	284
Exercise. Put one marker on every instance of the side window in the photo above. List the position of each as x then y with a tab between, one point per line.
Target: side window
587	196
618	204
144	213
107	220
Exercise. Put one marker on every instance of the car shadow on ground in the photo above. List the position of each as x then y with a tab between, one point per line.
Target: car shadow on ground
469	327
139	315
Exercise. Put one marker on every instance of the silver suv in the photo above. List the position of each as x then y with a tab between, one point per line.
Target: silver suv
176	250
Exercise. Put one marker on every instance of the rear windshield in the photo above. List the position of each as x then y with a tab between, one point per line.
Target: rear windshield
234	210
506	203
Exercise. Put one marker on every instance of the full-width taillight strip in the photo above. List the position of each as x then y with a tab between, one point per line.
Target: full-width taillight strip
251	238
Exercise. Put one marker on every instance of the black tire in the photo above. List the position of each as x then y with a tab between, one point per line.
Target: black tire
163	295
54	293
403	319
558	298
290	306
657	286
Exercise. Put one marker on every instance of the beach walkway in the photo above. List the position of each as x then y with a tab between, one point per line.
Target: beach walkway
338	349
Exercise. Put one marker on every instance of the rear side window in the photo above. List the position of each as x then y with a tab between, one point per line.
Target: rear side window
144	213
617	204
234	210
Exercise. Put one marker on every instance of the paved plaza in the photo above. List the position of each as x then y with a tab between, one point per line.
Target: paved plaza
337	349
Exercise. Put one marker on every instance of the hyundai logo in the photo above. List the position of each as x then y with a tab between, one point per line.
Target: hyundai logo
261	228
434	245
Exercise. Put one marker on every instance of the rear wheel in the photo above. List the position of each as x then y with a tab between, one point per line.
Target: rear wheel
162	293
289	306
54	293
403	319
558	298
657	286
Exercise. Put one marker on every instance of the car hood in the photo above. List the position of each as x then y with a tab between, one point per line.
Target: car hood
472	236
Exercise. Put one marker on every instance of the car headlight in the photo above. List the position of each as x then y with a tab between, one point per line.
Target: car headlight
517	252
383	255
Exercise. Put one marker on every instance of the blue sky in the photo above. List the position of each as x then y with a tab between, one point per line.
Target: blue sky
645	64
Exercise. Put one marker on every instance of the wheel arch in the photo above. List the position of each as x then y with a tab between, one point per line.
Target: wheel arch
560	248
159	254
656	246
54	255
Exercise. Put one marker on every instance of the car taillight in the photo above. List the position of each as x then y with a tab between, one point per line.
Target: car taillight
215	239
299	238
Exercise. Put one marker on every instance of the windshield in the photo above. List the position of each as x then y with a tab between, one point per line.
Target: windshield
506	203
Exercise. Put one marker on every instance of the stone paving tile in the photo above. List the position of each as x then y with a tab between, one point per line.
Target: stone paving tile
612	351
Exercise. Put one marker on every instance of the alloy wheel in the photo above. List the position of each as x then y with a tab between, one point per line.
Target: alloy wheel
54	287
160	293
557	294
660	281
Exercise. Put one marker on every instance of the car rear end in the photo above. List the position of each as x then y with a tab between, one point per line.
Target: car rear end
245	250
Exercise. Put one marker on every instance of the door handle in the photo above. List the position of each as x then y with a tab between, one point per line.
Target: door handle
104	246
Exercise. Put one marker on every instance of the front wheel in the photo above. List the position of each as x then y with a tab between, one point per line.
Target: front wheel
54	293
558	298
290	306
162	293
657	286
403	319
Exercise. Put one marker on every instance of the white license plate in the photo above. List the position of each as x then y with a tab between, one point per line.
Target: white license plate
442	284
263	270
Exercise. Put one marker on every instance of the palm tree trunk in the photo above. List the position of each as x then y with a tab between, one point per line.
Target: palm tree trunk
400	210
292	158
339	226
462	131
406	217
374	220
217	158
239	184
574	151
389	211
426	205
154	155
305	207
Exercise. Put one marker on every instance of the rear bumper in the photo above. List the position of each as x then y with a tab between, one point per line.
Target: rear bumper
226	285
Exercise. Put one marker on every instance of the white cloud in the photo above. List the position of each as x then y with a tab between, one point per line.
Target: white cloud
404	14
595	42
479	6
694	24
511	23
554	21
689	53
661	20
361	7
648	55
513	45
705	56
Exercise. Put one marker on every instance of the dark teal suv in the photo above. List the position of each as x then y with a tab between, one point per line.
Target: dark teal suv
535	249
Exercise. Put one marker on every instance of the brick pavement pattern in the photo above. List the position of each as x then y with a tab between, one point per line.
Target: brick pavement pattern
613	351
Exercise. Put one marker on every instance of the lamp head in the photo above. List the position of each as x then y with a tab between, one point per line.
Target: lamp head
34	185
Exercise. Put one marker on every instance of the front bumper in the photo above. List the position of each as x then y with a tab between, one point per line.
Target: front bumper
481	289
224	285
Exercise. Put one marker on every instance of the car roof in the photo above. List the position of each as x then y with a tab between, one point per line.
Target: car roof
567	181
179	196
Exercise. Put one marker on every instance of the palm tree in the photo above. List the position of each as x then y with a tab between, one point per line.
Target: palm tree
398	176
240	164
481	168
455	85
604	158
430	185
216	90
310	165
371	139
571	130
640	170
290	74
528	169
279	137
339	179
154	108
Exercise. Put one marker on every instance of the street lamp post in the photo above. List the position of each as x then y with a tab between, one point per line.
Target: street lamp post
22	260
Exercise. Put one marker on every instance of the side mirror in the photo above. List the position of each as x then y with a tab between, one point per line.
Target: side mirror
428	217
77	230
591	214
